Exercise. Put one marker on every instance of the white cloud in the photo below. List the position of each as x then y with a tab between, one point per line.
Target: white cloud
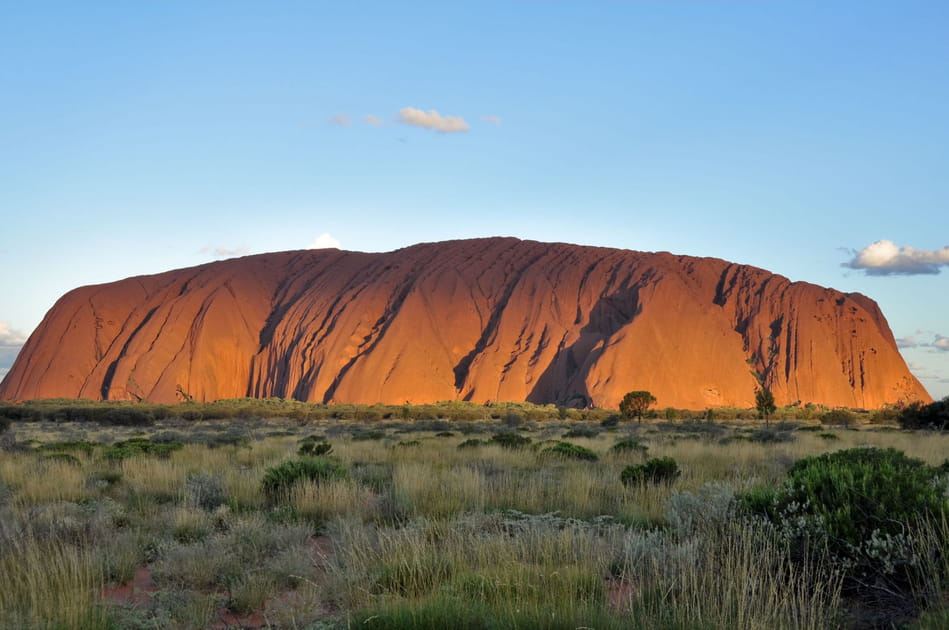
884	258
325	241
432	120
341	120
11	341
494	120
942	343
225	252
9	336
372	120
909	341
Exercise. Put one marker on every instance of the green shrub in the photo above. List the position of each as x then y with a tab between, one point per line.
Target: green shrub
570	451
408	443
473	443
313	446
65	458
581	432
839	417
770	435
657	470
364	435
611	420
204	491
443	434
630	445
828	436
862	506
82	446
934	417
510	440
279	478
140	446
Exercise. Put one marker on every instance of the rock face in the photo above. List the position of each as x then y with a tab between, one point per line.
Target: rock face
484	319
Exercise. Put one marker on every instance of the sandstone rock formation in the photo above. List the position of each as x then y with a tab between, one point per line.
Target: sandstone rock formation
483	319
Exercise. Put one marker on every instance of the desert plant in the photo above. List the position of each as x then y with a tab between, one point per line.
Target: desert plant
581	432
630	445
314	446
367	435
279	478
635	404
204	491
510	440
934	416
611	420
840	417
862	505
657	471
472	443
764	403
570	451
770	435
140	446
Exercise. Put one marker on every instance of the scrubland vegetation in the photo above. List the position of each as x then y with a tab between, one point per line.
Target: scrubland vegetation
274	514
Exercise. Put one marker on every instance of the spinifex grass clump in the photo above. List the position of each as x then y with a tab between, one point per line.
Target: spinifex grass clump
314	446
657	470
367	435
140	446
581	432
510	440
630	445
279	478
570	451
80	446
473	443
863	505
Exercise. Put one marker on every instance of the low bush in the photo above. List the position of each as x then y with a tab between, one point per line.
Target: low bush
314	446
82	446
611	420
473	443
570	451
657	471
840	417
366	435
204	491
934	416
66	458
510	440
862	506
630	445
279	478
581	432
770	435
140	446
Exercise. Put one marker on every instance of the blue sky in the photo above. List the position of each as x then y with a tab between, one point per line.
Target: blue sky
137	137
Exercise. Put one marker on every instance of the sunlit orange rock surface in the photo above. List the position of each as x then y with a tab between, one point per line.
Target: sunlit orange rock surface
480	320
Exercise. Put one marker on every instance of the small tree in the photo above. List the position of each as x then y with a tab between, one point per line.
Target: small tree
635	404
764	401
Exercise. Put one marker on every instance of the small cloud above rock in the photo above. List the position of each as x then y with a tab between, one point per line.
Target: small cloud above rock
325	241
225	252
884	258
432	120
